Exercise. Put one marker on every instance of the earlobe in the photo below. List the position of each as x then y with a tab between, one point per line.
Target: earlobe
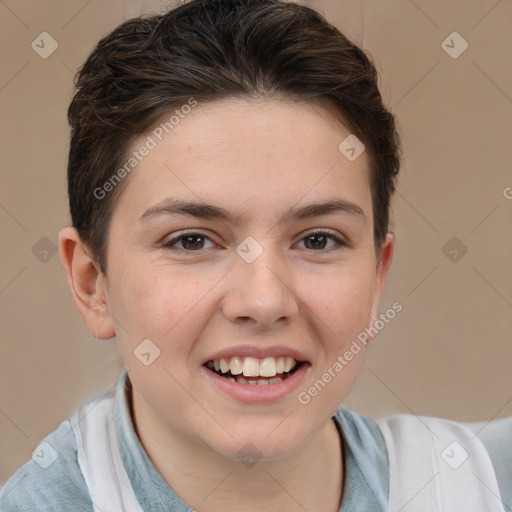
383	264
87	284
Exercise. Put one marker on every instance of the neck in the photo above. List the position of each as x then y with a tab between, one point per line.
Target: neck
309	479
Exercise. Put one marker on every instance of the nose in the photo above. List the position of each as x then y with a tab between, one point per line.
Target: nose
261	293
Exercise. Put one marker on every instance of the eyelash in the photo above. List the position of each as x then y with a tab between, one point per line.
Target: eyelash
170	244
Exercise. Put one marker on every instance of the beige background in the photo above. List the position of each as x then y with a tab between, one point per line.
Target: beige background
446	354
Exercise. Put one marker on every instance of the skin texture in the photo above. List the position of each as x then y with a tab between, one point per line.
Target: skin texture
258	159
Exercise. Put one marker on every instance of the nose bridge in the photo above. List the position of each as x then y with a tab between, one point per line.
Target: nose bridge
260	287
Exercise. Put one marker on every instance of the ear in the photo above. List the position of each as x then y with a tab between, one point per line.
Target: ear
87	284
383	264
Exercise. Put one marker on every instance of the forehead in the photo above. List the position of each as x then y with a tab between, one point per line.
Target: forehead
242	153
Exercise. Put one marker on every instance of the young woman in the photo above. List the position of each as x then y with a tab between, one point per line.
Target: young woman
230	174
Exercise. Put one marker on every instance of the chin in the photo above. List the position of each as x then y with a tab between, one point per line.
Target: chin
268	441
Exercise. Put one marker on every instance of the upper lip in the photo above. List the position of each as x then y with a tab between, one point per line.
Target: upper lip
258	352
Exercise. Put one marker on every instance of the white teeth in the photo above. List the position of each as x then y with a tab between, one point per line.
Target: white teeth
224	366
235	365
289	364
268	367
259	382
251	367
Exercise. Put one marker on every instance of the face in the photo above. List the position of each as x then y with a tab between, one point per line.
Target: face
221	254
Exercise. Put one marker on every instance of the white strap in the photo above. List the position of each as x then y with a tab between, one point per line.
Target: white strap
437	465
99	458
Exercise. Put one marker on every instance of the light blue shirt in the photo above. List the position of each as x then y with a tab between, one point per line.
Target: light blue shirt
61	486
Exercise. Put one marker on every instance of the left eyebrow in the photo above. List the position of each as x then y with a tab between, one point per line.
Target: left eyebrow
213	212
326	208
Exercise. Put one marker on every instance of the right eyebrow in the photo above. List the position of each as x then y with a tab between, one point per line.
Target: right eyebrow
192	209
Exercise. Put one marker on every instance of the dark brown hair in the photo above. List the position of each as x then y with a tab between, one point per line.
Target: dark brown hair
211	50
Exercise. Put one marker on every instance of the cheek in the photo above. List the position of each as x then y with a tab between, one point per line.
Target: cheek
342	300
136	299
346	309
163	305
341	305
159	302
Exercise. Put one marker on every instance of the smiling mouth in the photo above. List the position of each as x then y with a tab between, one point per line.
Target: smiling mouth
253	371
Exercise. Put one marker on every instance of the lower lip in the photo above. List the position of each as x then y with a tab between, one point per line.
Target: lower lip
260	393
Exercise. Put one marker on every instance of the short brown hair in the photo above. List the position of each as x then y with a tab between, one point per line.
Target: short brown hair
212	50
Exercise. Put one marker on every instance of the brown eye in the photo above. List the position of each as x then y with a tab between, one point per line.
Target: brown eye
316	241
192	242
319	240
188	242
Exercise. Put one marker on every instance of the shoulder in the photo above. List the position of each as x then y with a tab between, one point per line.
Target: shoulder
496	436
367	451
409	434
361	432
51	480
